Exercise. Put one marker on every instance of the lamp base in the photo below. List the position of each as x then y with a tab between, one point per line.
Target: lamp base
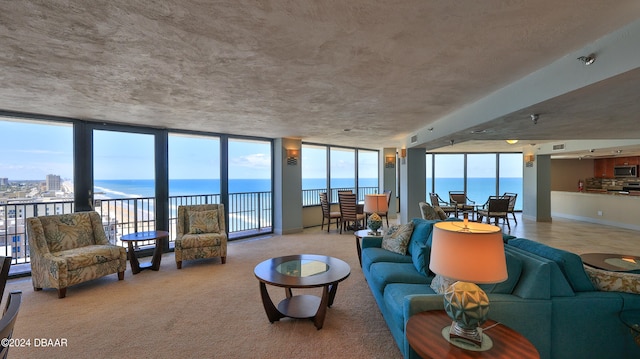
484	344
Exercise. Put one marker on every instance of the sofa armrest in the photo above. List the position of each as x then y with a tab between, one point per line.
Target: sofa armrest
375	242
417	303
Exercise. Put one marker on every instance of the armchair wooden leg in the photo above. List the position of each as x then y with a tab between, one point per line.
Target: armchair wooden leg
179	264
223	259
62	292
121	275
37	289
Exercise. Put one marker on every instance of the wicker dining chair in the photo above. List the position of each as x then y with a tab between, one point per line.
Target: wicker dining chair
349	211
327	213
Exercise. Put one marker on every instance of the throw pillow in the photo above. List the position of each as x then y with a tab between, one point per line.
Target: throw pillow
614	281
396	238
441	213
428	212
440	283
420	255
204	222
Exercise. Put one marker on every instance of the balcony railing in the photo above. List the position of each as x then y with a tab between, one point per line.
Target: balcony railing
249	213
311	197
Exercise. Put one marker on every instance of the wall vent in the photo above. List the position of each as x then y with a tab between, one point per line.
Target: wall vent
558	147
414	138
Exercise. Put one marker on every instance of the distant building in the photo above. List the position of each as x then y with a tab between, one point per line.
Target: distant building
4	181
54	183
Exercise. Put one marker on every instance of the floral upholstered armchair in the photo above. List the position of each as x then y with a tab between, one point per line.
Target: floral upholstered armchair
68	249
201	233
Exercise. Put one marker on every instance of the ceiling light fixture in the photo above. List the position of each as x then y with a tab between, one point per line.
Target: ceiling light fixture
512	142
588	60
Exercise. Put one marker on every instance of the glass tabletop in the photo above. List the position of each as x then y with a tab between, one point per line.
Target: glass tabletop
302	268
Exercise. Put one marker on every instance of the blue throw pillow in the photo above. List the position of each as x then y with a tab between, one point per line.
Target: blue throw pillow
420	255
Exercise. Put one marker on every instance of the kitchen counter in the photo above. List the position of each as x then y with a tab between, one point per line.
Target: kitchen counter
613	191
610	208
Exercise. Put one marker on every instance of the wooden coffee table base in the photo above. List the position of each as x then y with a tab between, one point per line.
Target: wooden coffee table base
299	306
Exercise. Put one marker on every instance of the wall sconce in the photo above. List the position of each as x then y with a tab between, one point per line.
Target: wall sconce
292	157
528	159
389	161
403	155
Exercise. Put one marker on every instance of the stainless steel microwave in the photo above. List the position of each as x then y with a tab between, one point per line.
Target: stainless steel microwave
625	171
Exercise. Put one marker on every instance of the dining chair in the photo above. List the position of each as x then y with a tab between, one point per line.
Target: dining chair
349	212
512	203
327	213
386	214
5	262
8	321
436	201
496	207
461	202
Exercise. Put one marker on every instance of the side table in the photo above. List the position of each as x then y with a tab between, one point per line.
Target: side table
424	333
157	236
359	234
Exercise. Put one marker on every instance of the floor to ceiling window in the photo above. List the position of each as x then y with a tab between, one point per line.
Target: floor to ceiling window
481	176
448	174
314	173
194	165
367	173
350	169
250	184
510	176
124	181
485	174
342	170
36	178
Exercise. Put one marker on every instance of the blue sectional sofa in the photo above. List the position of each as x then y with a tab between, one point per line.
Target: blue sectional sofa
547	297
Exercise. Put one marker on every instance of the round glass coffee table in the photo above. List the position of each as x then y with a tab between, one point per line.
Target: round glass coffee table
301	271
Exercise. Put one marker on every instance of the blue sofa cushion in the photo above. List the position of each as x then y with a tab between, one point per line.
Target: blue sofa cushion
570	263
383	273
420	254
374	255
514	269
394	299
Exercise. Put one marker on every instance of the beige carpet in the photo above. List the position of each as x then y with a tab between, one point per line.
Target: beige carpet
205	310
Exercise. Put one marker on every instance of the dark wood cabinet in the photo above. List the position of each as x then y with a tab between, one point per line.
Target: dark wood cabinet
603	167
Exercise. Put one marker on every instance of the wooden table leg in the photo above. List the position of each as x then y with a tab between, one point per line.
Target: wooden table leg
157	254
332	288
272	312
318	319
133	259
359	250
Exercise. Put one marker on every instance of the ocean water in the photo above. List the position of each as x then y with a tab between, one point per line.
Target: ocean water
109	189
478	189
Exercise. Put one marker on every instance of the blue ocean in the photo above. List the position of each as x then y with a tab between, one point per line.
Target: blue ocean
478	189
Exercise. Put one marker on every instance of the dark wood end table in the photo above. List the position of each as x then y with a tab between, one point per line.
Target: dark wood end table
424	333
301	271
157	236
363	233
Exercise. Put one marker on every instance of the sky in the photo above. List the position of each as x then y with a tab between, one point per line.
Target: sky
31	150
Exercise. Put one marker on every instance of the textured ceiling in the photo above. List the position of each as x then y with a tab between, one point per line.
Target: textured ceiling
302	69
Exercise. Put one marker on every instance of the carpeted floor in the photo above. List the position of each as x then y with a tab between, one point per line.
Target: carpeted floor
205	310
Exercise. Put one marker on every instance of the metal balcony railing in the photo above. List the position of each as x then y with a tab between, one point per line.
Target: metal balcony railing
249	213
311	197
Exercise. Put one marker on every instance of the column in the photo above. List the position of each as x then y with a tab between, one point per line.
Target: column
287	187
